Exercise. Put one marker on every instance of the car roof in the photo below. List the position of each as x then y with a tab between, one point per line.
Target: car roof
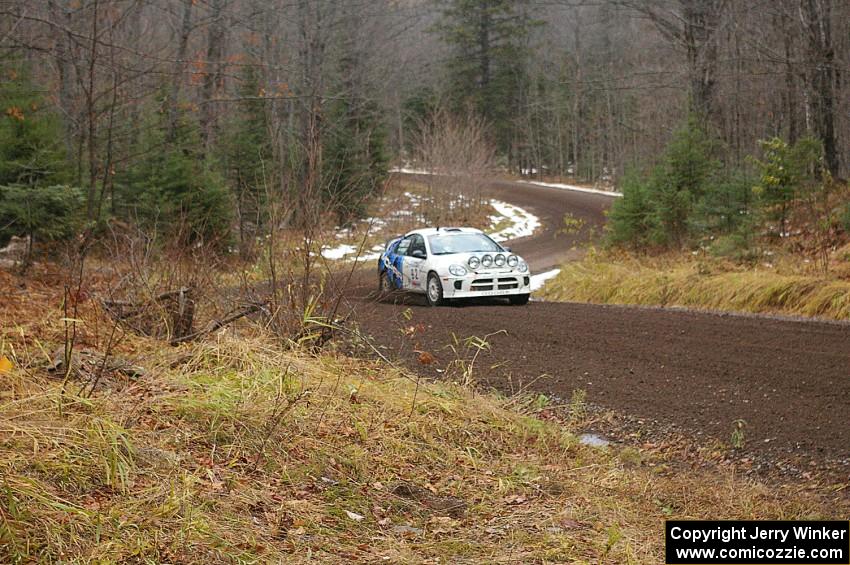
443	231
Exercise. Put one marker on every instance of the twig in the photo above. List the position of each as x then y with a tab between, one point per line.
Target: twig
217	324
274	420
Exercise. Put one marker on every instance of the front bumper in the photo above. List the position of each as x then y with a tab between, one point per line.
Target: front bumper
486	284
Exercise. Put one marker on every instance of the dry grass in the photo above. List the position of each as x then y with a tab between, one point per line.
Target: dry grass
235	451
700	284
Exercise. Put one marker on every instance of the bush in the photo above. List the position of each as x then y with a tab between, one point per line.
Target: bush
40	212
733	246
845	217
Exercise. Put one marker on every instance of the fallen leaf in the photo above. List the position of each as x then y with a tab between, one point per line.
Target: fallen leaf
354	516
408	531
426	358
6	364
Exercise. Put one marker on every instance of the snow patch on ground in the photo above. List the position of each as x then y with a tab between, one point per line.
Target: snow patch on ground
372	255
410	171
346	251
522	222
338	252
538	280
518	223
574	187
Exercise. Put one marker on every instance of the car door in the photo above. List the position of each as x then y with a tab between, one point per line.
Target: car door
414	261
395	263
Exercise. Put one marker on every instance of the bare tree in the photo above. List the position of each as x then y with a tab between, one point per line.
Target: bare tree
820	74
458	158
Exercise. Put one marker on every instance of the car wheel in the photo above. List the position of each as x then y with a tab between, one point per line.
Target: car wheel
383	285
518	299
434	291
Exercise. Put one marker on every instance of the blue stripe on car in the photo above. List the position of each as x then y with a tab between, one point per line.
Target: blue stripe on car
393	265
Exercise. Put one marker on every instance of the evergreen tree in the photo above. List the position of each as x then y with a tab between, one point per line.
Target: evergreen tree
354	157
681	180
783	170
487	68
417	109
662	209
247	157
725	208
355	160
33	202
630	218
30	146
173	188
50	212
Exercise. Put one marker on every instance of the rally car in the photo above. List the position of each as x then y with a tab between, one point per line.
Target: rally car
451	263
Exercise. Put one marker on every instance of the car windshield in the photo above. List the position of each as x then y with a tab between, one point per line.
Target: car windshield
461	243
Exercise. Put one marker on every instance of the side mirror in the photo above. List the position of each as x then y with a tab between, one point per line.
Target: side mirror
418	253
506	248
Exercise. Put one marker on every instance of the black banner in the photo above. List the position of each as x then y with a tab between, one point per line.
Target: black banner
758	542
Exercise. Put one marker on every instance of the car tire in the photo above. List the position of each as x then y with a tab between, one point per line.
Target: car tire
384	288
434	290
518	299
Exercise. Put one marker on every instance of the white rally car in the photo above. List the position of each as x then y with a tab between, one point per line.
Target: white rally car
449	263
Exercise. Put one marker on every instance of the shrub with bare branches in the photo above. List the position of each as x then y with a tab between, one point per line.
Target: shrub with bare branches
457	155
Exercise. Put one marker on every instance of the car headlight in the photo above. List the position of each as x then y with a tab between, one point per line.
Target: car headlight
499	260
457	270
523	267
474	262
513	261
487	260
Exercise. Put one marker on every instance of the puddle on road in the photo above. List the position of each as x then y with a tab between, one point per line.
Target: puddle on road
593	440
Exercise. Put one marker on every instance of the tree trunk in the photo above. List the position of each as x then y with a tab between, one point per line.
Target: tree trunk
312	59
213	77
61	14
816	18
701	20
179	66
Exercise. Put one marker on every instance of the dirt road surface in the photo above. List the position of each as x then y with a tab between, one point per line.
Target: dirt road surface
787	380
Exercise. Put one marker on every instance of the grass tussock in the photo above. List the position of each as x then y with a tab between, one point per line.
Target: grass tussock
696	284
236	451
